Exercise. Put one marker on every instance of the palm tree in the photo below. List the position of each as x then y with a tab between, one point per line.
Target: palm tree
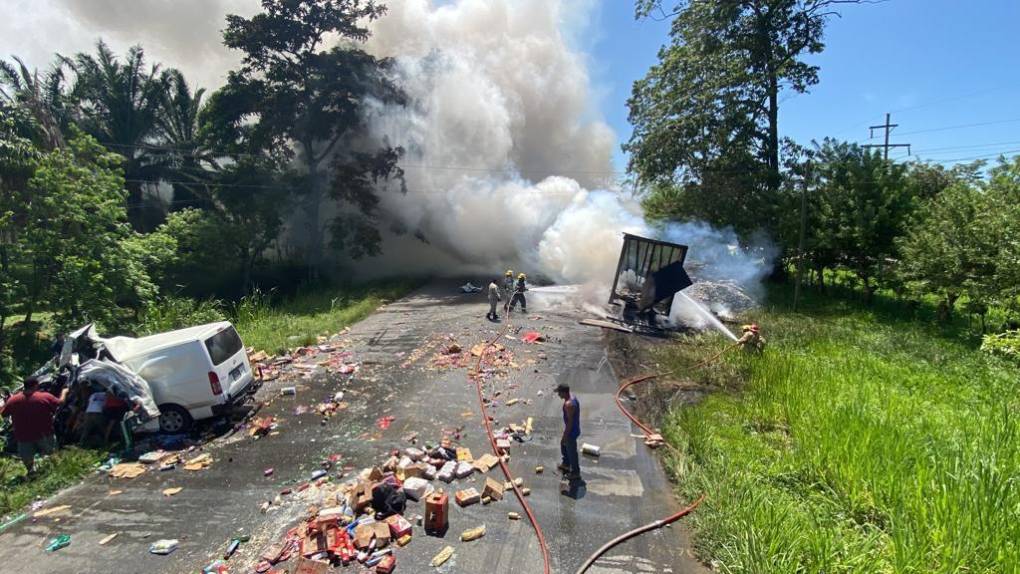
182	156
43	97
118	103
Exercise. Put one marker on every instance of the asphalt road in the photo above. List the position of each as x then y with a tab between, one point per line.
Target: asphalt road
624	488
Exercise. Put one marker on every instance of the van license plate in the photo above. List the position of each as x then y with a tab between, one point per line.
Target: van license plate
236	373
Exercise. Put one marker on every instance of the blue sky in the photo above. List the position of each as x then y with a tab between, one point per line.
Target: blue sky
934	64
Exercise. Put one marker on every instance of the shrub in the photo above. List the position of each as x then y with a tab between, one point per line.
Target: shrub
169	313
1003	345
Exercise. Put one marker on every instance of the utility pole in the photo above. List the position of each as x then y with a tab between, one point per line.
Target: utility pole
888	127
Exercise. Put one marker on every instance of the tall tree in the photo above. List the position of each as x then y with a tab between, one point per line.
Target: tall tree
118	102
864	205
706	117
66	239
303	85
43	96
182	156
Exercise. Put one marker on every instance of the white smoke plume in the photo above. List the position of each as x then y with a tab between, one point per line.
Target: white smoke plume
505	167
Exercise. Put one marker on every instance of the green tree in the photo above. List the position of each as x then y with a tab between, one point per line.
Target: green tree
42	96
183	157
246	206
1002	220
118	102
949	250
302	86
18	157
863	205
74	248
706	117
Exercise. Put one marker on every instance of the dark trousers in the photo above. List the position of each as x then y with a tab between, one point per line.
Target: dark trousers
518	297
568	448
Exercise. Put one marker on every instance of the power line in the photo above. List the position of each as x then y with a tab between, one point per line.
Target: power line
961	126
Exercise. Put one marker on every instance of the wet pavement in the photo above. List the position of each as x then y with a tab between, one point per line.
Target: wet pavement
624	488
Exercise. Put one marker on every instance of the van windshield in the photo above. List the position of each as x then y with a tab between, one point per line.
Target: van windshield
223	345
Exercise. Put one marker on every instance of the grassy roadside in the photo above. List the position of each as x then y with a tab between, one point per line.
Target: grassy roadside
63	469
300	320
860	442
289	323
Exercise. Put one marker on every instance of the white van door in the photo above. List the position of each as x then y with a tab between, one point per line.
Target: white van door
231	373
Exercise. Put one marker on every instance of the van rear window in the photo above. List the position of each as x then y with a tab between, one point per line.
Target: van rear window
223	345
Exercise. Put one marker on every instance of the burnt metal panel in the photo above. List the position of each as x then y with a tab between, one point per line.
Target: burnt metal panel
649	271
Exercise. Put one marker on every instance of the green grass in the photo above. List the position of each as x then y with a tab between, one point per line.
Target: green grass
862	441
64	468
300	320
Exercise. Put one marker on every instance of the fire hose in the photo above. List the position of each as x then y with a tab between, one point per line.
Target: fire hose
648	432
492	442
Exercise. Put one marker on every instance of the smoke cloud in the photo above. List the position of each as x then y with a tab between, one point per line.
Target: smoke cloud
505	165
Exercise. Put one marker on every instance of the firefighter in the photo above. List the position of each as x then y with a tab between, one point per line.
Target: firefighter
519	294
751	339
508	287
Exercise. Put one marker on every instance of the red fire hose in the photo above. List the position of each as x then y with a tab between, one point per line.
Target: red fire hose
495	450
648	431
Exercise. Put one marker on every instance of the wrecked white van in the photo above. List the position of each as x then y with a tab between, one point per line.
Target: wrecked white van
194	373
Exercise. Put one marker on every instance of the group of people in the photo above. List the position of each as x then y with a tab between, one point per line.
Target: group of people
92	414
515	294
569	459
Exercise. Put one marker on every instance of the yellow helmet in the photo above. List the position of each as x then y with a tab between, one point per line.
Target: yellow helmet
522	276
509	272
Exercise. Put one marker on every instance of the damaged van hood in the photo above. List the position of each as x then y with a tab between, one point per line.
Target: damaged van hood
122	383
114	377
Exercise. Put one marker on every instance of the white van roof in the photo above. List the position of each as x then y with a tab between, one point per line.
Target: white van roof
126	348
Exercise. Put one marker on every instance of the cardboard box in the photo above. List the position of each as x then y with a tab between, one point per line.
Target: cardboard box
360	497
417	488
493	489
399	526
306	566
363	534
463	470
381	530
467	497
464	454
446	474
485	462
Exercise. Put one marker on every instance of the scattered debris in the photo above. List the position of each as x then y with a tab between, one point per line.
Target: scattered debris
127	470
384	422
106	539
168	492
164	547
50	511
472	534
606	325
200	462
533	337
591	450
441	558
59	542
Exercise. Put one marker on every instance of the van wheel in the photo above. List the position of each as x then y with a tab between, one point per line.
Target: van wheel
174	419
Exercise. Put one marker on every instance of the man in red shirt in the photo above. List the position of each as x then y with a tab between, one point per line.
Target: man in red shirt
32	412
